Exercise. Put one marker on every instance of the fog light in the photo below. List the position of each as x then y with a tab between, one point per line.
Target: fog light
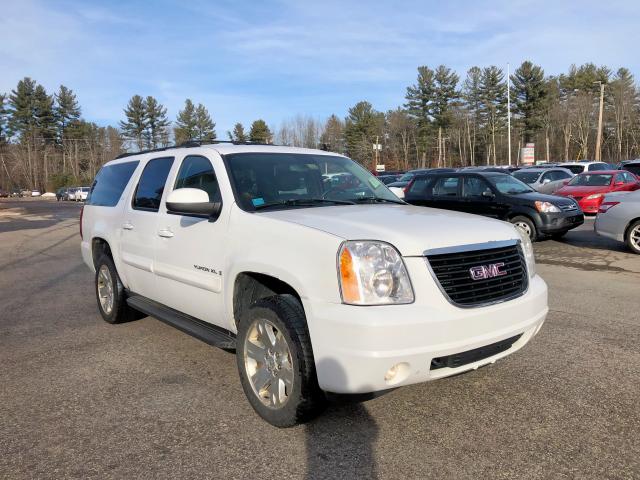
397	373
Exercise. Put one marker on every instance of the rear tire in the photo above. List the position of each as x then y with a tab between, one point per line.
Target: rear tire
276	364
527	225
110	294
632	237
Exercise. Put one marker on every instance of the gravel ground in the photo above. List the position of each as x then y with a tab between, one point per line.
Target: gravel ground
84	399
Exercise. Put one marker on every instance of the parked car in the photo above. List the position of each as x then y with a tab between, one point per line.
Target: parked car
35	193
71	193
544	180
499	196
387	179
25	192
398	187
632	166
585	166
4	193
589	189
619	218
81	194
485	169
308	285
60	193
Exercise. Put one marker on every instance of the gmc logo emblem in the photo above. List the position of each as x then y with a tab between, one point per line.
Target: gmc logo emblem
484	272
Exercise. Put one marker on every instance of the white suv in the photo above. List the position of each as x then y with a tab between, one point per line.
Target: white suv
319	286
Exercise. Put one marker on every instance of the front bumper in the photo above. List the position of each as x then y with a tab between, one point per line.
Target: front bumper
355	347
560	222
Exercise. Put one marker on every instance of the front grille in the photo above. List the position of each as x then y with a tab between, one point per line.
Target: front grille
470	356
454	273
569	208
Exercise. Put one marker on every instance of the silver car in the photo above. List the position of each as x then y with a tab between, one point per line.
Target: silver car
619	218
544	180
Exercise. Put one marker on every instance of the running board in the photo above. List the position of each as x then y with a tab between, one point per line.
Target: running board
208	333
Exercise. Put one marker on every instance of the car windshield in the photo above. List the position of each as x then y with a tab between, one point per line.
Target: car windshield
509	185
291	180
590	180
406	177
527	177
575	169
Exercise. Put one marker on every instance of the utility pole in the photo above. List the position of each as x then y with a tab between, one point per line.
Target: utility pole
508	111
599	138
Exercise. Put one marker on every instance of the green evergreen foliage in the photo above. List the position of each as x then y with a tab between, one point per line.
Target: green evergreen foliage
529	92
185	128
156	124
238	134
260	132
204	126
134	127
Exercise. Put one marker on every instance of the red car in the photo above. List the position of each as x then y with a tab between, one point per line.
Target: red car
589	188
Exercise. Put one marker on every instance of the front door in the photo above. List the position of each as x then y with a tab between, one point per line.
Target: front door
138	240
190	250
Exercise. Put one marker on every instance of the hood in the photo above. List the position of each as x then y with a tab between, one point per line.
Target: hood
412	230
582	191
542	197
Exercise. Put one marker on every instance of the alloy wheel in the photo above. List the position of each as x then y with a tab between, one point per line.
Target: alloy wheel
105	289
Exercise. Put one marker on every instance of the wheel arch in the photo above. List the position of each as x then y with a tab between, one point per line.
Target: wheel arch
99	247
628	227
250	286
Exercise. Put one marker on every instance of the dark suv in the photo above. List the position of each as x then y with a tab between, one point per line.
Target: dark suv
496	195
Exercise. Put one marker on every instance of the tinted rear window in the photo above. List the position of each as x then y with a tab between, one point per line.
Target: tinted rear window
109	184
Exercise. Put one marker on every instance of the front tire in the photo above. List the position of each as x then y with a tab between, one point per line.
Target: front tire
632	237
275	362
110	294
526	225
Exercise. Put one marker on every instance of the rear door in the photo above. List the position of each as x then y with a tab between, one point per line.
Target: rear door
191	250
444	192
478	197
139	225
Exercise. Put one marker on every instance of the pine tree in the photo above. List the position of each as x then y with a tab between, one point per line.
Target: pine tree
332	138
21	109
156	123
361	127
67	110
493	104
186	123
445	82
471	93
529	92
134	127
205	127
238	134
260	132
44	115
4	117
420	98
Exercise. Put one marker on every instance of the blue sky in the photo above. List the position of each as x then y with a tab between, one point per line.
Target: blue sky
275	59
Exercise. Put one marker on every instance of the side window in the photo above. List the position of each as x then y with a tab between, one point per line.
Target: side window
109	184
473	187
151	184
445	187
197	172
596	166
418	187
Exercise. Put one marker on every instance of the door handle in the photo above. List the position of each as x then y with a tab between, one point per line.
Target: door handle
166	233
127	226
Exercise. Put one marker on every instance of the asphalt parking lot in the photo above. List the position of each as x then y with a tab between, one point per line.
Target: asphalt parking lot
84	399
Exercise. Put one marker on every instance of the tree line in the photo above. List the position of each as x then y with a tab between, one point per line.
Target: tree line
445	120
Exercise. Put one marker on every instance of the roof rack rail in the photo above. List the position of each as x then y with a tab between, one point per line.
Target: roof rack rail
191	144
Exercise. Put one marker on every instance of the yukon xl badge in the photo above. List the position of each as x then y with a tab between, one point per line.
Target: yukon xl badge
484	272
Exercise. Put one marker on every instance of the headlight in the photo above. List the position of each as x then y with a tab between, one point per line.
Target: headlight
594	196
547	207
527	250
372	273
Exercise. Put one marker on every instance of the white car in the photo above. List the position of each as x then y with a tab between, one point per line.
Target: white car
619	218
584	166
317	287
35	193
81	194
71	195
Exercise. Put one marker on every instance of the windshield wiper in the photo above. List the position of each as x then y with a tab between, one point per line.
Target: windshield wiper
377	200
303	202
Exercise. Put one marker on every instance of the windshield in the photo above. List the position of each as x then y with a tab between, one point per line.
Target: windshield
590	180
291	180
527	177
575	169
406	177
508	185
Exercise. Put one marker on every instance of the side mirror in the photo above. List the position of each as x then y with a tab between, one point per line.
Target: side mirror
193	201
488	194
617	184
546	180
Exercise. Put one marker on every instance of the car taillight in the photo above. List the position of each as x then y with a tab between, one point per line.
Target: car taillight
81	212
604	208
406	189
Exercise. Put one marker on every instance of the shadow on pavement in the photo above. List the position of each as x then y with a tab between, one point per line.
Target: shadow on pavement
340	443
